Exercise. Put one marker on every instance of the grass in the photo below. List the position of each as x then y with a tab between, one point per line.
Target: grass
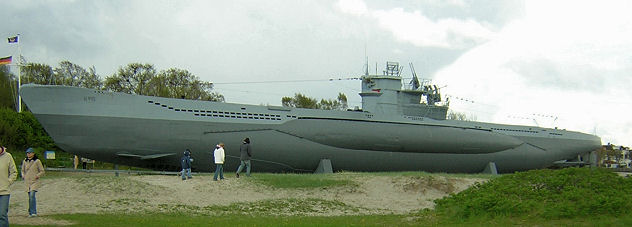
549	194
272	207
424	174
103	220
588	221
177	219
566	197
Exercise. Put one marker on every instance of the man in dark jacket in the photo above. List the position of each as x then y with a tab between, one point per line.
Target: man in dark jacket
246	154
186	165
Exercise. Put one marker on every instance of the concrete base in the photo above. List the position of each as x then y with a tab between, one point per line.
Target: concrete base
490	168
324	166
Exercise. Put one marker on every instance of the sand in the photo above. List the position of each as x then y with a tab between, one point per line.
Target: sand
159	193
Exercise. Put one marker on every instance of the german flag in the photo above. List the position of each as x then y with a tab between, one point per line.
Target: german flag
5	60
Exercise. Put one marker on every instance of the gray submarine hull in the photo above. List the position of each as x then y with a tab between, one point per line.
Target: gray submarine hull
152	132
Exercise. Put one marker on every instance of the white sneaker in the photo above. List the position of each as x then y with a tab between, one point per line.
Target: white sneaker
32	215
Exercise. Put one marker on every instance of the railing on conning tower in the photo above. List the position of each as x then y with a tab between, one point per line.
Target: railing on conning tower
393	69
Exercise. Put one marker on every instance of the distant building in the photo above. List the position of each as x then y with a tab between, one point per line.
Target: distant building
612	156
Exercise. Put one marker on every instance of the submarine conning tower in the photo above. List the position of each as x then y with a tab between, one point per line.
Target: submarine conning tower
384	94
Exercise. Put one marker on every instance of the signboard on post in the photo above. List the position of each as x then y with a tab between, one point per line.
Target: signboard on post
49	154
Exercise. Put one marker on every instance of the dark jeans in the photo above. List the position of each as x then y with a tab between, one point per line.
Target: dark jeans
32	203
186	173
4	210
241	167
219	169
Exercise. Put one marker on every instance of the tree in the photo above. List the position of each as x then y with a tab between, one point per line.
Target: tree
142	79
339	104
611	154
71	74
132	79
135	78
7	88
179	83
302	101
37	73
452	115
92	79
67	73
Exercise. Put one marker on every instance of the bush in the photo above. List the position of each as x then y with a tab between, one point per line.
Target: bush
19	131
12	131
22	130
564	193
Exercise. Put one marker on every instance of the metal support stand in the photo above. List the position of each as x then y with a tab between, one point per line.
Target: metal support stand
491	168
324	166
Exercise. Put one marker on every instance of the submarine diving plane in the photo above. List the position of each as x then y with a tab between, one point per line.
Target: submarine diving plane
396	130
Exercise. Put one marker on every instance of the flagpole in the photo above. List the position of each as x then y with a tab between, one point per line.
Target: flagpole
19	75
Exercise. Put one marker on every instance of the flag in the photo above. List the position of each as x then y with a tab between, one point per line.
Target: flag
13	39
5	60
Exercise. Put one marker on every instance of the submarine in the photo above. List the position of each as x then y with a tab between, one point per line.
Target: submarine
400	127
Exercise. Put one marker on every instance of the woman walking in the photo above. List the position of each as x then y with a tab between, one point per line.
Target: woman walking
32	170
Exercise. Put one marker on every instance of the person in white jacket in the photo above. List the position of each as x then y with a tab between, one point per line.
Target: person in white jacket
219	161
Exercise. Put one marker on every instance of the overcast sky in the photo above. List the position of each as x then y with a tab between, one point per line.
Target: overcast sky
565	64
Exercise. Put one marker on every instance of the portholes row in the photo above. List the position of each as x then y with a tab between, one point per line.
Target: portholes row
225	114
514	130
275	117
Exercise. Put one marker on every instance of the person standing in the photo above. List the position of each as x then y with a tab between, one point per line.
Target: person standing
8	174
186	165
219	161
76	161
246	154
32	170
84	163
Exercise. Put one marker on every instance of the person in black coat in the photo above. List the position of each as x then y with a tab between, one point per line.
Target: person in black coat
186	165
246	154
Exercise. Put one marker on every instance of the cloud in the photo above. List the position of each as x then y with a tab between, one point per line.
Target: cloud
416	28
355	7
419	30
544	72
571	61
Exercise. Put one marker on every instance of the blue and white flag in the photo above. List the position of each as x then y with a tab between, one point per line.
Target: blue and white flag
13	39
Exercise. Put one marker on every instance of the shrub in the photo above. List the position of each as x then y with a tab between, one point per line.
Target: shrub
22	130
564	193
19	131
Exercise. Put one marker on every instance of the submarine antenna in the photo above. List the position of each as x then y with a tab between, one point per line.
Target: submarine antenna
366	70
536	122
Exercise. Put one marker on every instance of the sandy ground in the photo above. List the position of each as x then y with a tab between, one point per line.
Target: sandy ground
158	193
